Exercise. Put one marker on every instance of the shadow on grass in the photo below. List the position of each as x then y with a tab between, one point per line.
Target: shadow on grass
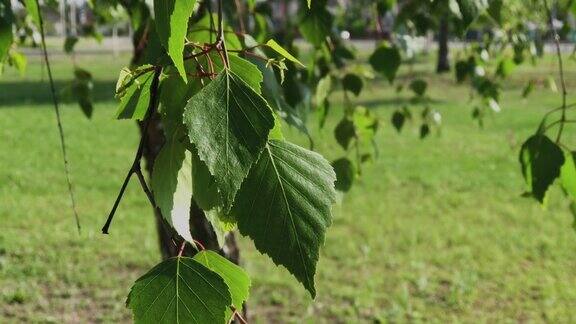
22	93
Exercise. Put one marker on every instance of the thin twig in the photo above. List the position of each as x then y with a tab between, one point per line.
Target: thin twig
144	186
561	122
205	51
560	68
220	40
238	316
135	168
58	118
200	245
181	250
240	10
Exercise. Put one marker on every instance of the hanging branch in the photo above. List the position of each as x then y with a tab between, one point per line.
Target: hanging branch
240	10
220	41
561	70
136	169
58	118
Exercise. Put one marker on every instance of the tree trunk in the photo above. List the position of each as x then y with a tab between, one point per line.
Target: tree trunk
199	225
443	60
201	228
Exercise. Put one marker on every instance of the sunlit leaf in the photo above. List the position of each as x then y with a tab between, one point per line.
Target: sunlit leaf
171	17
179	290
284	206
228	123
280	50
235	277
172	185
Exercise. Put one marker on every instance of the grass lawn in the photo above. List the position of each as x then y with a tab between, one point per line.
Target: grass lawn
435	230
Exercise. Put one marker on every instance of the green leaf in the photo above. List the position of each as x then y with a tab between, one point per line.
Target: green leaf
463	70
82	90
495	10
179	290
315	24
528	88
345	132
200	33
323	111
383	6
386	60
568	174
284	206
18	60
276	131
228	123
505	67
353	83
174	95
419	87
172	185
274	94
280	50
171	26
345	174
470	10
206	196
398	120
235	277
541	160
33	11
244	69
323	89
424	131
365	123
204	185
136	99
6	21
69	44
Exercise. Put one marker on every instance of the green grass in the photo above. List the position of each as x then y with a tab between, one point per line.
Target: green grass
435	230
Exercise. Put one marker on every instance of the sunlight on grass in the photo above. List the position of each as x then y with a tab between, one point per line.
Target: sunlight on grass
434	229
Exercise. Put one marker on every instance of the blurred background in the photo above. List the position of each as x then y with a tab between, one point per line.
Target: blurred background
434	229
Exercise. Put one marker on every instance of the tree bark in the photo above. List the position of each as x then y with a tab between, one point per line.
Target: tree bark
443	60
200	227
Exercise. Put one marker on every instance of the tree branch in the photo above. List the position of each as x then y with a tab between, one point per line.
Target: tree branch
58	118
560	68
135	168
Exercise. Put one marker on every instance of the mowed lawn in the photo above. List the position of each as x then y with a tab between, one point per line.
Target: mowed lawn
434	230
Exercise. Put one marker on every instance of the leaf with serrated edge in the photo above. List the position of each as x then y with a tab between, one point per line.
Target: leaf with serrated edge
280	50
134	103
179	290
244	69
171	17
172	186
284	206
235	277
228	123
